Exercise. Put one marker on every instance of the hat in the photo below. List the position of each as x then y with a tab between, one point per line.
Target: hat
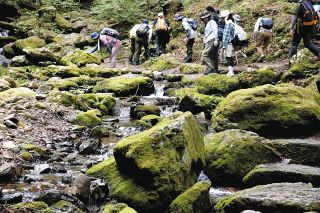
177	17
205	15
160	15
236	18
145	21
225	13
95	35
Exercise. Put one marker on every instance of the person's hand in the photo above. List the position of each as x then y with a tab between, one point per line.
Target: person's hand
216	42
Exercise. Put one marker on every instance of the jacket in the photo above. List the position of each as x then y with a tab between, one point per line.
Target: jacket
210	31
190	33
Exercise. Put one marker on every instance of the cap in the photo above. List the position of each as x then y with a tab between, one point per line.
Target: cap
177	17
205	15
95	35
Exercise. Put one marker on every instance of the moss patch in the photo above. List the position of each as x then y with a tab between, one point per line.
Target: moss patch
192	68
104	102
257	78
164	62
80	58
90	118
143	110
33	207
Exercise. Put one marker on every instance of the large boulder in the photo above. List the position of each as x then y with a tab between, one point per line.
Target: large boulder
257	77
8	10
63	24
17	94
80	58
231	154
126	85
164	62
118	208
63	71
47	14
41	55
91	118
38	206
28	43
195	199
277	197
74	39
284	110
282	172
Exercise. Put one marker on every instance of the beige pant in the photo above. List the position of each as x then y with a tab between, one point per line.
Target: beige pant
262	41
229	51
115	51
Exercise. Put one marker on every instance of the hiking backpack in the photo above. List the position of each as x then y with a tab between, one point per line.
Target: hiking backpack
110	32
142	31
267	23
193	23
161	24
310	17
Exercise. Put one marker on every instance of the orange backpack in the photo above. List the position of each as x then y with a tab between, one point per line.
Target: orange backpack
161	24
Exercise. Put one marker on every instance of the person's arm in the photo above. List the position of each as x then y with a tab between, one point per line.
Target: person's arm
94	49
186	27
150	34
168	25
257	25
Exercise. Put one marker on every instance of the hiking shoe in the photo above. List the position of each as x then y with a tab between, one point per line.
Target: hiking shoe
230	74
261	59
207	72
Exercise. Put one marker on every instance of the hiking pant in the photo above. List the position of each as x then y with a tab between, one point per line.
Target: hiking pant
262	42
210	56
189	45
306	35
229	55
161	42
132	49
138	45
114	53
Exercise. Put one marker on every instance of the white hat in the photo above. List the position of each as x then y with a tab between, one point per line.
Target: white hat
236	18
225	13
160	15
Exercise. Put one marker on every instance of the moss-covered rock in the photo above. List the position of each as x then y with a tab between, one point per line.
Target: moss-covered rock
43	54
300	70
47	14
94	71
142	110
118	208
74	40
65	206
32	207
196	103
192	68
231	154
28	43
216	84
8	50
62	97
166	158
63	23
80	58
15	94
284	197
151	119
270	110
126	85
26	156
104	102
91	118
62	84
124	188
195	199
257	78
164	62
6	40
64	71
34	149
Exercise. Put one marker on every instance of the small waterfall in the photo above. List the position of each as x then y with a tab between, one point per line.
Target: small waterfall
122	110
3	60
159	90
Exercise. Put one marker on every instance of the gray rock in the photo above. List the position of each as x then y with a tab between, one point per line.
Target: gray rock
281	172
99	191
11	198
90	147
277	197
4	85
19	61
10	172
41	169
82	185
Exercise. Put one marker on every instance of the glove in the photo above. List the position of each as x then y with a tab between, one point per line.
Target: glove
216	42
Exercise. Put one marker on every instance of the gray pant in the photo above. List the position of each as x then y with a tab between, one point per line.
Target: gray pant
138	45
210	56
115	51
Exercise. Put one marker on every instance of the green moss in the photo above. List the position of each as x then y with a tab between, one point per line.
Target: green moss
8	50
62	97
126	85
30	42
64	71
164	62
226	149
303	69
93	71
91	118
41	105
62	23
192	69
33	148
16	94
65	206
151	119
270	110
180	93
83	80
194	199
118	208
80	58
26	156
33	207
104	102
257	78
62	84
142	110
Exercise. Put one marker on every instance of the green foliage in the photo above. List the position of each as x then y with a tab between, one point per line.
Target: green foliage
63	5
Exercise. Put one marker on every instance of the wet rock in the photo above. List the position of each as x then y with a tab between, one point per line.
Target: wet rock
100	132
91	118
41	169
19	61
65	206
67	179
282	172
80	58
118	208
126	85
284	197
139	111
30	207
164	62
151	119
257	78
196	103
11	198
195	199
226	149
92	146
99	191
49	197
281	110
10	172
28	43
82	183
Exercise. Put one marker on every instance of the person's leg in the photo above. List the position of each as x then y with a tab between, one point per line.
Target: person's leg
132	49
137	53
158	43
146	49
259	41
229	57
115	51
296	39
266	42
307	40
215	58
206	56
189	45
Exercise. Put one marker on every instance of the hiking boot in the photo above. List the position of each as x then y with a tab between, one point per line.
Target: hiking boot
207	72
230	74
261	59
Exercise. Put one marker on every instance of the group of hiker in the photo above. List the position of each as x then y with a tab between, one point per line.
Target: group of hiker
222	36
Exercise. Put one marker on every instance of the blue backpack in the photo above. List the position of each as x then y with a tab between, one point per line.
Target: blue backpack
267	23
193	23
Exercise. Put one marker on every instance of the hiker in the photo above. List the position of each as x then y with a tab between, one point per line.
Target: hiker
240	38
190	26
228	36
302	27
262	35
109	38
140	35
162	27
211	44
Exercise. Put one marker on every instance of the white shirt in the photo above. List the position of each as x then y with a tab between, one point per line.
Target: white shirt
187	27
258	27
239	31
133	32
211	31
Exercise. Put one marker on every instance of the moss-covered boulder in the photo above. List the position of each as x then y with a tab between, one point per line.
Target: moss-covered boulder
102	101
47	14
284	197
118	208
32	207
270	110
62	97
142	110
64	71
192	68
91	118
15	94
125	189
231	154
301	70
257	78
65	206
6	40
196	103
195	199
62	84
8	50
215	84
164	62
63	23
166	158
151	119
282	173
43	54
28	43
74	40
36	149
96	71
126	85
80	58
